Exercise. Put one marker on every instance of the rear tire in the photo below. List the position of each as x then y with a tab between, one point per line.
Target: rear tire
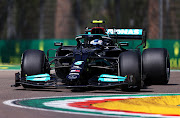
156	66
33	62
130	64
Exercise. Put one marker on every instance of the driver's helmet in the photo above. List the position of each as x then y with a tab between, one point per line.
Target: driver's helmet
96	42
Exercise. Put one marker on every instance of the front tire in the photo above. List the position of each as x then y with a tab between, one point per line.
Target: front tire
33	62
130	65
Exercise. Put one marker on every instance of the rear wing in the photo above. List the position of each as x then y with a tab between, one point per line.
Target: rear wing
138	34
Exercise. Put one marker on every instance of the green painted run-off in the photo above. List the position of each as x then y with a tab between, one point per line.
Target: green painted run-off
39	103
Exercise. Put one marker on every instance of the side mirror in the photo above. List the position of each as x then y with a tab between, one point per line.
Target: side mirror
58	44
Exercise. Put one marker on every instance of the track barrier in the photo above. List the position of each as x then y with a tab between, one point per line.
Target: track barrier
11	50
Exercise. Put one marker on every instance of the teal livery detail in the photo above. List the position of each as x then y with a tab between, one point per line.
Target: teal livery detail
124	31
111	78
39	77
78	63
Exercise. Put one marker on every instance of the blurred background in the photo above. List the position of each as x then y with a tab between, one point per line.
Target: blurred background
37	24
42	19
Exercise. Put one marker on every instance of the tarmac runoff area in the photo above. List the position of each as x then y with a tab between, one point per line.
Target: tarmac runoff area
154	101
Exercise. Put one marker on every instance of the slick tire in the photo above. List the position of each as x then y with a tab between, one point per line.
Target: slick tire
156	66
33	62
130	64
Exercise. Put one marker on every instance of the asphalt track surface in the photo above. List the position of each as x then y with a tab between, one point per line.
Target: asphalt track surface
8	93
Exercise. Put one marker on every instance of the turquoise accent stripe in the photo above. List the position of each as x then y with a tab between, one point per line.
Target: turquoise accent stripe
112	76
40	77
111	80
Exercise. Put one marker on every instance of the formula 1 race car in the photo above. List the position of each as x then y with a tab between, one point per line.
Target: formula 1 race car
98	60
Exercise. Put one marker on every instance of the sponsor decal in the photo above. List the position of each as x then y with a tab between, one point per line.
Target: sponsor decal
78	71
78	63
73	73
125	31
76	67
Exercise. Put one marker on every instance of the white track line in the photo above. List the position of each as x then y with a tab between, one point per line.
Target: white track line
11	103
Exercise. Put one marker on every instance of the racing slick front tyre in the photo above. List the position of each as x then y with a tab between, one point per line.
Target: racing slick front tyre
33	62
130	66
156	66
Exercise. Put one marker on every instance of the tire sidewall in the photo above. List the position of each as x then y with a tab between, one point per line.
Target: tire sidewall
33	62
156	66
130	64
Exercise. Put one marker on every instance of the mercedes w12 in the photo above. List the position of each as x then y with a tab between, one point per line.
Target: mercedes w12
98	60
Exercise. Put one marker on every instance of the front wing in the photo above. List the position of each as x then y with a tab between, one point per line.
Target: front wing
103	82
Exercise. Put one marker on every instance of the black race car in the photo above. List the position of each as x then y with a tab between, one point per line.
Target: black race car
98	60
